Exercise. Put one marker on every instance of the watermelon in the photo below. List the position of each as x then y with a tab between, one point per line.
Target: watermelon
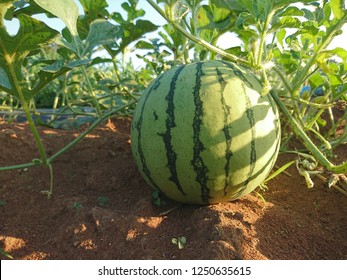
202	133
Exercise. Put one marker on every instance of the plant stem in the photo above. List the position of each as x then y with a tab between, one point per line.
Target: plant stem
283	79
291	93
68	146
339	169
91	90
82	135
196	39
263	35
20	166
28	114
300	77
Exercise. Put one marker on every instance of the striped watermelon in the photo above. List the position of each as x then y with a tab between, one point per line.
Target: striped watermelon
203	134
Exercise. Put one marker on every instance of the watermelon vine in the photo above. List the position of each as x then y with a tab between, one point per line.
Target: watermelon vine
263	58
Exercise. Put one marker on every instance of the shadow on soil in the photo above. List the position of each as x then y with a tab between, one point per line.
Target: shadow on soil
101	209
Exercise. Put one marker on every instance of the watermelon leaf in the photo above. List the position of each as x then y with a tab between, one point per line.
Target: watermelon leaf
101	32
338	7
4	81
93	10
66	10
14	50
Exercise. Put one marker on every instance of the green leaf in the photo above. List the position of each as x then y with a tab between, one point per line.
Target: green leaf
132	10
180	245
252	7
5	254
28	8
4	81
243	20
237	51
281	34
93	10
235	5
334	80
177	39
308	14
278	171
316	80
4	5
101	32
103	200
144	45
133	32
285	22
338	7
213	17
292	11
66	10
340	52
54	70
32	34
72	43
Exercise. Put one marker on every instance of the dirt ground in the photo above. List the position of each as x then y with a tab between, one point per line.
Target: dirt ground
101	208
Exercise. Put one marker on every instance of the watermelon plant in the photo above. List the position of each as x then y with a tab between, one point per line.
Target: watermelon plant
27	68
179	241
284	61
284	43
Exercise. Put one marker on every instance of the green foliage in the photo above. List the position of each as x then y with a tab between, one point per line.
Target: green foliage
40	66
179	241
7	255
2	203
287	45
77	205
158	199
103	201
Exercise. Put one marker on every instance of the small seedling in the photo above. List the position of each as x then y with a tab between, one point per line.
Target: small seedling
103	200
157	199
2	203
179	241
77	205
5	254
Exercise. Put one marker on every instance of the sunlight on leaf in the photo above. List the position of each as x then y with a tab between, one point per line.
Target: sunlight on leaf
4	5
101	32
31	36
66	10
338	8
4	82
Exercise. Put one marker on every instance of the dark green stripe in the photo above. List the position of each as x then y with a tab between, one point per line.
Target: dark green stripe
138	126
256	175
198	164
251	121
253	154
271	159
238	72
226	131
170	124
275	112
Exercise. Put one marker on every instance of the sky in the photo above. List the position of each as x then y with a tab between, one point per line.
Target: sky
226	41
